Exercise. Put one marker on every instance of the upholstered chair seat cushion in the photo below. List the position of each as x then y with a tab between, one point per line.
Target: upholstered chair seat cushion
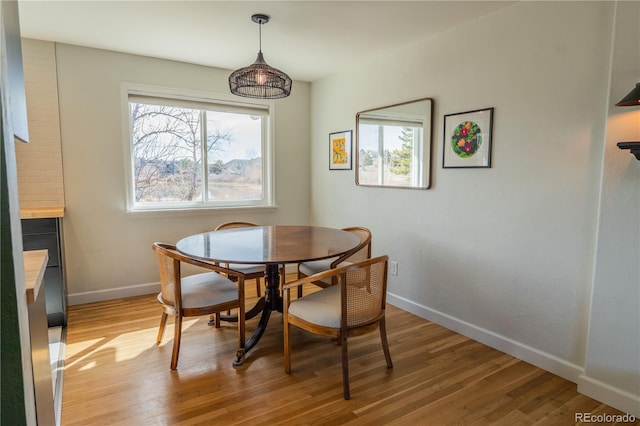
321	307
206	289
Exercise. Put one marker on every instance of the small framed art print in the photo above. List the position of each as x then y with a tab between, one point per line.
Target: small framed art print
467	139
340	150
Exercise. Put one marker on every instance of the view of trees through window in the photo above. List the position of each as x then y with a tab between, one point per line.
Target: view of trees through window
185	155
395	166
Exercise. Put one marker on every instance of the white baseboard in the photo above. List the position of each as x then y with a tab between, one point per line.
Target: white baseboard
114	293
546	361
617	398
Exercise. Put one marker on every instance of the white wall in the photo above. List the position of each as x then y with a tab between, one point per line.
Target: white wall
612	369
107	249
506	254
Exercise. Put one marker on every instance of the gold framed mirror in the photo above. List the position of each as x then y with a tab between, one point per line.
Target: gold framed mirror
393	145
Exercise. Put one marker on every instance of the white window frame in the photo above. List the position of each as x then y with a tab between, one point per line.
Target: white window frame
190	97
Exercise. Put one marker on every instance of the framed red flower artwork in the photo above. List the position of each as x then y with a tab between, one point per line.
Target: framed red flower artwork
467	139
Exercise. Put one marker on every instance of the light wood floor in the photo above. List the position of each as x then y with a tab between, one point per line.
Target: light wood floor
115	374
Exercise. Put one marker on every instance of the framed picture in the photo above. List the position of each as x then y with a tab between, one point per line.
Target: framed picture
340	150
467	139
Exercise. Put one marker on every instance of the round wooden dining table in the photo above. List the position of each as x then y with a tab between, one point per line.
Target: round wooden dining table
272	246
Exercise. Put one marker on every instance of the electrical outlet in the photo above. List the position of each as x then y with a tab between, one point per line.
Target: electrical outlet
394	267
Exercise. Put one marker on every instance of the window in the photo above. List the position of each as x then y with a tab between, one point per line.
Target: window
192	154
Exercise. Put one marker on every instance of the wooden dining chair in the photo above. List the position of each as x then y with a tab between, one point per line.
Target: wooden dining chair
353	307
361	252
200	294
249	271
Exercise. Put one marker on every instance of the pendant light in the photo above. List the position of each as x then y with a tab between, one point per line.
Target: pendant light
632	99
259	80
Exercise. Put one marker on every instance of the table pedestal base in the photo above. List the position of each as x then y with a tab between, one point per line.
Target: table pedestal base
271	302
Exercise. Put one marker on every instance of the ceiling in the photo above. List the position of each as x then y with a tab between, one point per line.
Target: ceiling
306	39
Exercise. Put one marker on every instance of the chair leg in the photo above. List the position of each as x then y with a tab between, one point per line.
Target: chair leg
345	366
163	322
385	343
216	317
176	341
287	347
258	292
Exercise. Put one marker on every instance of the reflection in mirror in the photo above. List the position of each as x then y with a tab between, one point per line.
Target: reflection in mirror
393	145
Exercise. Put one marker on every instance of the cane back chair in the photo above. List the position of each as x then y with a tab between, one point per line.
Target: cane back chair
247	271
360	252
199	294
353	307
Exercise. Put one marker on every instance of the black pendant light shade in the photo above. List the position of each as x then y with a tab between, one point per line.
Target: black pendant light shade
259	80
632	98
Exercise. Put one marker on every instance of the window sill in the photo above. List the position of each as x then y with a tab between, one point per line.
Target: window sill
143	214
